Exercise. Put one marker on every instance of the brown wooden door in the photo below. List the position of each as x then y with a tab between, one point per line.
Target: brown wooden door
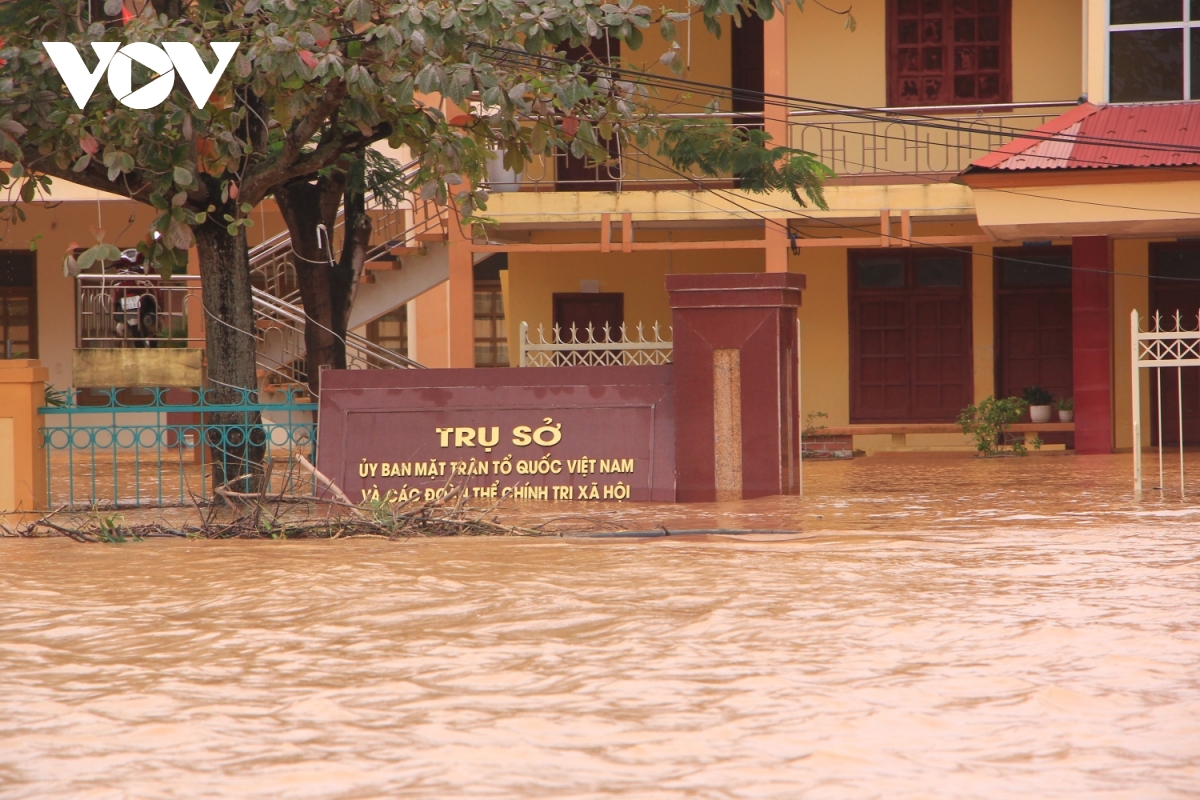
595	309
1033	321
910	336
1175	287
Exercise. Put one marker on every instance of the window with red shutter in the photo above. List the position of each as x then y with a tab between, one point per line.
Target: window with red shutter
949	52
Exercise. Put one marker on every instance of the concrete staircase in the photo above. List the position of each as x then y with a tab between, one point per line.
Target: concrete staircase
408	256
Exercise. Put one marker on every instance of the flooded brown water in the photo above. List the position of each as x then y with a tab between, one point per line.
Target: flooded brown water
936	628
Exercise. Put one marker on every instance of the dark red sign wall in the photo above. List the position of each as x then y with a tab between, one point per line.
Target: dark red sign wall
563	434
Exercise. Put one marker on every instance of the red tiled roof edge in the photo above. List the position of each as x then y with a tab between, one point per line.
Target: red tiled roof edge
1035	137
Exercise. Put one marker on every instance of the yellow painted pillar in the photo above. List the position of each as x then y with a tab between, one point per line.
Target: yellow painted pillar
22	457
775	121
428	330
461	301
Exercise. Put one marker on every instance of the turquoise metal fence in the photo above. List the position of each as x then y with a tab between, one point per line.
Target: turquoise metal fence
128	448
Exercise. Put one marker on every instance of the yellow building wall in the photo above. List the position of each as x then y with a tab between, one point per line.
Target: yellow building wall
1047	50
824	335
829	63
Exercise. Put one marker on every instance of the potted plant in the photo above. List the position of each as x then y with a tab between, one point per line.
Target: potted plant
1066	408
1039	404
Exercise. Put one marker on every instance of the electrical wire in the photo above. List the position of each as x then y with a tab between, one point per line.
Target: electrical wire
804	104
955	125
907	241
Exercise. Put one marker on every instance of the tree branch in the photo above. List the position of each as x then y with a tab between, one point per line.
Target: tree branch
261	183
94	177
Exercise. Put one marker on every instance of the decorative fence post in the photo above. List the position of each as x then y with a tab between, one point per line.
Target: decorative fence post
1168	344
22	457
737	385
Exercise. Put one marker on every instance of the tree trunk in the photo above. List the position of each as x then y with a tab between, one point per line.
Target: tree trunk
326	290
304	206
237	439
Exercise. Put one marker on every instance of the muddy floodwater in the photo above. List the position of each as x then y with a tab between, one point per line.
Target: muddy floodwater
933	628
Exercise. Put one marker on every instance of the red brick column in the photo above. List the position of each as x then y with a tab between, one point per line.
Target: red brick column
1091	331
737	431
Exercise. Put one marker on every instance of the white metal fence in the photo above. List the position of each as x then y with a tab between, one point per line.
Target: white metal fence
1168	345
593	348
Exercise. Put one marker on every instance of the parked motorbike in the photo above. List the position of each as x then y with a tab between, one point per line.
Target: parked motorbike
135	301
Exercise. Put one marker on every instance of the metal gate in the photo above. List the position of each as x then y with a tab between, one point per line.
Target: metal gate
1166	346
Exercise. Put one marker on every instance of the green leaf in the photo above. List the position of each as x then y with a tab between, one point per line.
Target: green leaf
86	259
354	48
538	138
82	163
183	176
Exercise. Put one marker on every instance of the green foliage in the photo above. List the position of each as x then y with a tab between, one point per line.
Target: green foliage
989	420
315	80
55	398
716	149
811	426
1065	404
111	530
1037	396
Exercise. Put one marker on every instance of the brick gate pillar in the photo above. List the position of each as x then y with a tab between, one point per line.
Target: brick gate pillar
737	406
22	457
1091	333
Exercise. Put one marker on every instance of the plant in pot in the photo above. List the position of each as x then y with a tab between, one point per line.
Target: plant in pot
1039	404
1066	408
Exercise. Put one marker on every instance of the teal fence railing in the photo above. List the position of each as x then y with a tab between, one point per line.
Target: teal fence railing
128	448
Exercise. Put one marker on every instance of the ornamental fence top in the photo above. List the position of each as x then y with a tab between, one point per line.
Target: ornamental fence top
211	400
573	336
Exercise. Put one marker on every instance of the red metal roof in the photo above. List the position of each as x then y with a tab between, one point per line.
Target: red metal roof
1095	137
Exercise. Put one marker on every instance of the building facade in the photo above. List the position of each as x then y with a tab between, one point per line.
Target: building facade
1013	177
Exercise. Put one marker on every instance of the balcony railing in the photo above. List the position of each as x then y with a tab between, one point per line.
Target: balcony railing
128	310
926	143
922	142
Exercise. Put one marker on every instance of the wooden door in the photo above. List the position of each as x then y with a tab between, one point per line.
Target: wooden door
910	336
595	309
1033	321
1175	287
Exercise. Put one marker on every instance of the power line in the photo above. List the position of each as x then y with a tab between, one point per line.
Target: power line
947	145
906	240
861	112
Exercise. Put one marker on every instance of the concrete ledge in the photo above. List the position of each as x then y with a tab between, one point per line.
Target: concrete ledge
143	367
